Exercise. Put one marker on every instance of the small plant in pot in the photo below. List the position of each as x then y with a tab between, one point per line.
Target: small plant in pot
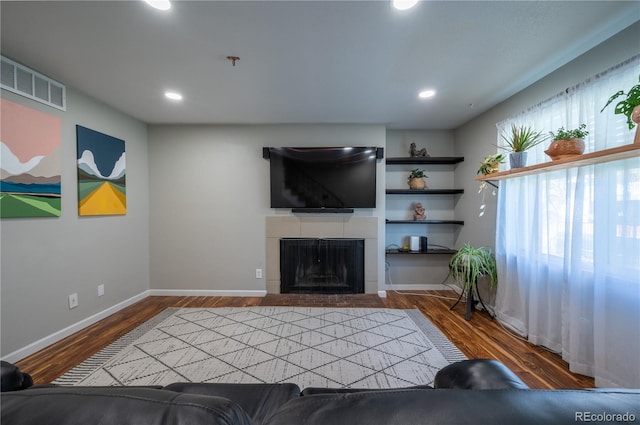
491	164
567	143
416	179
630	107
467	266
518	141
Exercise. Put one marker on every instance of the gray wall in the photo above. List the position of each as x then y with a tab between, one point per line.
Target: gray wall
46	259
209	199
478	138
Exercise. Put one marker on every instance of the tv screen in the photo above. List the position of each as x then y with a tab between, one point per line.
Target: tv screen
331	177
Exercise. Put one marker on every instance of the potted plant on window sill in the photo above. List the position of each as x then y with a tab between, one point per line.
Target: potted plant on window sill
518	141
416	179
630	107
567	143
466	267
491	164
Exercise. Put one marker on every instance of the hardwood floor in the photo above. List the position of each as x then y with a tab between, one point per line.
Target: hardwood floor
479	338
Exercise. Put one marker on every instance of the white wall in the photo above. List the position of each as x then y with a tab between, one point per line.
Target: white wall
420	271
209	199
46	259
478	138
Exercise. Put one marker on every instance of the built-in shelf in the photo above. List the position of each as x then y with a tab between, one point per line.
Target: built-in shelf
459	222
606	155
429	252
426	160
424	191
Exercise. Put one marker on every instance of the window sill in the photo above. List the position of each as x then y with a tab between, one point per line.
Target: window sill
606	155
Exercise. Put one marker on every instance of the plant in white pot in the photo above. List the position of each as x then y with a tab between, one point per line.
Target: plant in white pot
630	107
518	141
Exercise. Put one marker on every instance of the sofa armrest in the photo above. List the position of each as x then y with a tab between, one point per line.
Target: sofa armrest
478	374
12	379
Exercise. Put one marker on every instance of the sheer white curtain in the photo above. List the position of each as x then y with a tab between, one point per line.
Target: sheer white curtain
568	242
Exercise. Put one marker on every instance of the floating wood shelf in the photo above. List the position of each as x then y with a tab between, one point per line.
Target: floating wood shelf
459	222
423	191
429	252
605	155
426	160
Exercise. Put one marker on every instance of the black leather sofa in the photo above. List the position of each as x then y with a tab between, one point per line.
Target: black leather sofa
470	392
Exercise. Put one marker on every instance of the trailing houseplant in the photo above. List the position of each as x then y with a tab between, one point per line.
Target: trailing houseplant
416	179
567	143
471	263
626	106
467	266
490	164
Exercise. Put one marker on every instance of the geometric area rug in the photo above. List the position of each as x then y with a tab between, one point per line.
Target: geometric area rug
308	346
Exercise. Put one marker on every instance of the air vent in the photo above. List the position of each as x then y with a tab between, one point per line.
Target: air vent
28	83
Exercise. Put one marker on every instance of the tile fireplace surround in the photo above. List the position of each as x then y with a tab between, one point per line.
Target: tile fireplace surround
322	227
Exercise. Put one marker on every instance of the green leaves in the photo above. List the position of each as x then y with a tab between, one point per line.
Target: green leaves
470	263
522	138
577	133
626	106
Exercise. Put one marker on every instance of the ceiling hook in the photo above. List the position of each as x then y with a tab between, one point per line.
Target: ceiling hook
233	59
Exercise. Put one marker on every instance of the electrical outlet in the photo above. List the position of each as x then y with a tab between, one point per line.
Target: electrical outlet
258	273
73	300
100	290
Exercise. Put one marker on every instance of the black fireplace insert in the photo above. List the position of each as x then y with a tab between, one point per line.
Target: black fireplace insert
321	266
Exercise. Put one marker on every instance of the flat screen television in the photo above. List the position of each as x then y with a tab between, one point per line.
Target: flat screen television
328	177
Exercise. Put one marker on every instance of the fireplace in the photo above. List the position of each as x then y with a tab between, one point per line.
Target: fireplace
321	266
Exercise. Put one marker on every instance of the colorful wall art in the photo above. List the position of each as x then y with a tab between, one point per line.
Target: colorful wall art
30	162
101	174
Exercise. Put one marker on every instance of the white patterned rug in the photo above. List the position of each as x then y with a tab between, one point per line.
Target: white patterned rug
311	347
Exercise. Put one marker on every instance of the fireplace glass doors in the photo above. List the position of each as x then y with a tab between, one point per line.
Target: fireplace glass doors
321	266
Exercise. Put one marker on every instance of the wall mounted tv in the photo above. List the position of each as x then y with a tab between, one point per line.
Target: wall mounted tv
333	178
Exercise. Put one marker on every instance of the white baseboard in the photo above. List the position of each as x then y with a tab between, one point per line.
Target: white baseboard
69	330
421	287
382	294
207	293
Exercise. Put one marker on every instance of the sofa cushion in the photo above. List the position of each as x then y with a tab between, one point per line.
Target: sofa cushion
318	390
459	407
259	401
477	374
117	406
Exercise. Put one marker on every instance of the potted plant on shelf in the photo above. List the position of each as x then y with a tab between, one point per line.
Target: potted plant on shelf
416	179
490	164
629	107
518	141
467	266
567	143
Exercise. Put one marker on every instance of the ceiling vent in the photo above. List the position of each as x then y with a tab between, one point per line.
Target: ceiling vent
28	83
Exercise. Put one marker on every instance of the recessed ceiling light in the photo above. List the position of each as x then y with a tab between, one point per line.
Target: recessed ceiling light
173	95
159	4
425	94
404	4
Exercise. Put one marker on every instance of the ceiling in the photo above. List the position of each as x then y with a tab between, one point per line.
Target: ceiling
305	61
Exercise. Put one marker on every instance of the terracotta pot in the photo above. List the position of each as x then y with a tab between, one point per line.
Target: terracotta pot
417	183
635	117
559	149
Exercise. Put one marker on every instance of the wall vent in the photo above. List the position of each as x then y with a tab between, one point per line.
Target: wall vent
28	83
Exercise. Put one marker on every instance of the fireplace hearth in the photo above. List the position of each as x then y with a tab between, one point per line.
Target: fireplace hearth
322	265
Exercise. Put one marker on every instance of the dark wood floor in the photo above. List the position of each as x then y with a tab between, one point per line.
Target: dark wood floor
479	338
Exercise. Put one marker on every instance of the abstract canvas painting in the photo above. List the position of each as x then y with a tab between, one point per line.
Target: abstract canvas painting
30	162
101	173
